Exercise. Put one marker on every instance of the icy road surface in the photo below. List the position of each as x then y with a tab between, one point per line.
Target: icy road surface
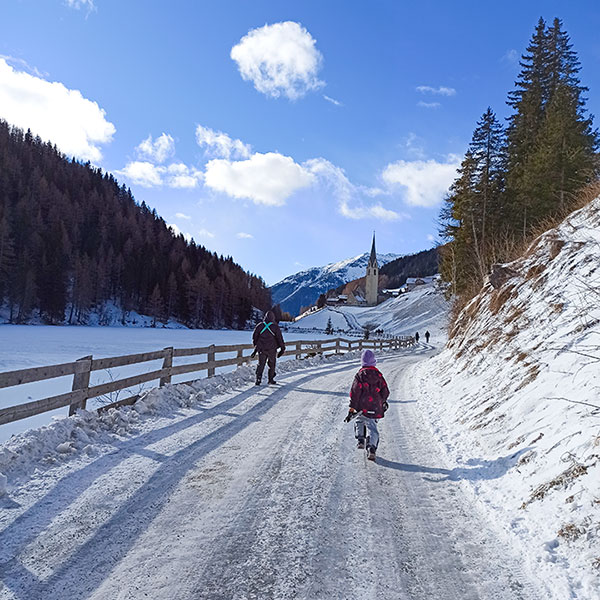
261	494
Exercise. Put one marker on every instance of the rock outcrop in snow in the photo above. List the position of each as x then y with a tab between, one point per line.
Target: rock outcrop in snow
518	383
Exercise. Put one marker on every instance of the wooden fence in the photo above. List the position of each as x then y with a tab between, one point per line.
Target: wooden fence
81	370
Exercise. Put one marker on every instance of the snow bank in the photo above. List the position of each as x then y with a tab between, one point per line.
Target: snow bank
518	384
89	433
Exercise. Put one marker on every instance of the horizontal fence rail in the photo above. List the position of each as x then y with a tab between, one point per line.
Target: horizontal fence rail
81	370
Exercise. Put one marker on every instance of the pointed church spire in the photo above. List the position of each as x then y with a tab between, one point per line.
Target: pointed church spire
373	257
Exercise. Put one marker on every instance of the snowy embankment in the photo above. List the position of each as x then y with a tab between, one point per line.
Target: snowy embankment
422	309
518	383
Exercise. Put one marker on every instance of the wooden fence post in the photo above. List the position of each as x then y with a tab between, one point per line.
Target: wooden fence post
81	381
337	345
360	344
240	357
298	350
211	358
167	364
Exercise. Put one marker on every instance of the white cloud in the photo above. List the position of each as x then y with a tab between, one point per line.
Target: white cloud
186	236
158	150
176	175
430	238
143	173
279	59
219	145
57	114
244	236
179	175
332	100
268	179
428	104
205	233
511	56
425	181
348	195
183	216
439	91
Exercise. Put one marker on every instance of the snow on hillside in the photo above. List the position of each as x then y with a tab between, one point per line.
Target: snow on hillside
304	288
423	308
518	387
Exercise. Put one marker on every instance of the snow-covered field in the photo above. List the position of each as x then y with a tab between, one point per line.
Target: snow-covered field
422	309
24	346
219	490
519	384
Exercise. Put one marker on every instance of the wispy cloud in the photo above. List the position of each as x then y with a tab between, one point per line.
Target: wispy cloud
217	144
279	59
439	91
158	150
428	104
78	126
332	100
413	145
175	175
244	236
350	197
22	65
205	233
182	216
511	56
78	4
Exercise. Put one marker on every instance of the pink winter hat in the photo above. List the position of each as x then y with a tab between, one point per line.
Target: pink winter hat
368	358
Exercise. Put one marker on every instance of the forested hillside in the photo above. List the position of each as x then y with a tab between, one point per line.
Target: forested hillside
420	264
73	241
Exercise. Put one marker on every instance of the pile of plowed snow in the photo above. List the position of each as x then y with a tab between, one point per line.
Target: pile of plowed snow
518	385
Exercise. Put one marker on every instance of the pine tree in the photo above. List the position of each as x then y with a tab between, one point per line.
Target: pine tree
551	144
473	214
329	327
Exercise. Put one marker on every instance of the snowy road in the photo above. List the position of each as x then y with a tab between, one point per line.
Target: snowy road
261	494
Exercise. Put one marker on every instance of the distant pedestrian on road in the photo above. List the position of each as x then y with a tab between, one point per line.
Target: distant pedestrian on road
427	334
267	339
417	337
368	398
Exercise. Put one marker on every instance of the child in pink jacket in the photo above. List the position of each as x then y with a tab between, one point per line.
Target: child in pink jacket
368	397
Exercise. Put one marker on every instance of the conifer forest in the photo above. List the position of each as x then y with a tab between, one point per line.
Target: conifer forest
519	177
73	241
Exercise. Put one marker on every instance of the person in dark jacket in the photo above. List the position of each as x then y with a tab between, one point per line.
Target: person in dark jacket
427	334
267	339
368	397
417	337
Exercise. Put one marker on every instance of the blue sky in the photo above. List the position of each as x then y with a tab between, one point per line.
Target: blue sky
280	133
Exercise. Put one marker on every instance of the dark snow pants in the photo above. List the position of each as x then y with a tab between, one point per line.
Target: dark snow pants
263	357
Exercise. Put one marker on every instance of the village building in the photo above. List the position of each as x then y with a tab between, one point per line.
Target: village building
372	277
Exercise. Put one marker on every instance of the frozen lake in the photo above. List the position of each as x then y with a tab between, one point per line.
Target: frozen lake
23	346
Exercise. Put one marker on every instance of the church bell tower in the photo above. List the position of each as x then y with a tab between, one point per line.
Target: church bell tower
372	278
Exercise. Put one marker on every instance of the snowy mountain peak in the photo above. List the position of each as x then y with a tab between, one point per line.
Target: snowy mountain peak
304	288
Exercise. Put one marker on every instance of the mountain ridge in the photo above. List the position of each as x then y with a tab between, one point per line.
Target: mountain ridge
304	288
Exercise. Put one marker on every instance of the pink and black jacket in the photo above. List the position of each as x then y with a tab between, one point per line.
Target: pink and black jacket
369	393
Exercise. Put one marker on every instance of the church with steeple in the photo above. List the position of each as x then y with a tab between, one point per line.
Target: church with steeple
372	277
